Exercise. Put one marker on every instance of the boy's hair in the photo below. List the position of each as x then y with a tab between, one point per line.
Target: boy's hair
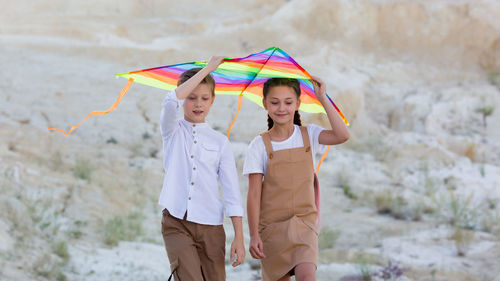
209	80
290	82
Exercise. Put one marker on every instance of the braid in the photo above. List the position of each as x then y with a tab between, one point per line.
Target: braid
296	118
270	122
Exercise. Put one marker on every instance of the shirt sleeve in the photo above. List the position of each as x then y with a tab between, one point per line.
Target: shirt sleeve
170	109
314	131
228	177
255	159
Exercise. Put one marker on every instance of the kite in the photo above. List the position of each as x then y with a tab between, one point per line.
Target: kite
243	77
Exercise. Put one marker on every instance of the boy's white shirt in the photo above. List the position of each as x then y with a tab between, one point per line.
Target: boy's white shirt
196	159
256	156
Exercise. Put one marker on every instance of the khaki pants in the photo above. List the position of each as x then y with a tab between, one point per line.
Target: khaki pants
195	251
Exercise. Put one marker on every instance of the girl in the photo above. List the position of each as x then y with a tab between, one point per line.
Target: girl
279	164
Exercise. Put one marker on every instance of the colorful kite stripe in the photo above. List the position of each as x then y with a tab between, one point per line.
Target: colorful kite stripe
240	76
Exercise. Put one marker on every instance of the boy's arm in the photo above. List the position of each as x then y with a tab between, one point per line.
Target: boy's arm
339	133
237	247
168	117
187	87
228	178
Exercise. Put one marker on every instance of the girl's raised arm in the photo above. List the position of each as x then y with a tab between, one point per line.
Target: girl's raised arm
339	133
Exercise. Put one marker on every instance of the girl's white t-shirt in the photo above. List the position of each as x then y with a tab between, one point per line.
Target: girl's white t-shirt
256	157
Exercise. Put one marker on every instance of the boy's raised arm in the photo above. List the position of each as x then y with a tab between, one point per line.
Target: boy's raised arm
170	108
187	87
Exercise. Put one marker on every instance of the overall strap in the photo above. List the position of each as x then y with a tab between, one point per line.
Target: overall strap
305	138
267	142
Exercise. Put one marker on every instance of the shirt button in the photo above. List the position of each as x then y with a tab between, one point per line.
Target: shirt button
194	132
189	198
192	156
192	183
195	142
194	168
194	125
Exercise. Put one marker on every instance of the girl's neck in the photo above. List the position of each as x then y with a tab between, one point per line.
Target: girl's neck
281	132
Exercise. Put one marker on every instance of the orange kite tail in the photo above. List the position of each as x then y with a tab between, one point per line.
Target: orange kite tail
113	107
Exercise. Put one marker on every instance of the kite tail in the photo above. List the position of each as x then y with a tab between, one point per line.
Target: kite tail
240	99
322	158
317	196
113	107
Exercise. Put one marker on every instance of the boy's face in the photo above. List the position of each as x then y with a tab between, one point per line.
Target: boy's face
198	103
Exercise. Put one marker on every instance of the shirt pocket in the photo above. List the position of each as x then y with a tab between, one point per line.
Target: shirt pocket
209	153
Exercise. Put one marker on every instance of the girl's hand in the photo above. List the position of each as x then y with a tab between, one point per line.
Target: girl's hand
214	62
238	251
319	86
256	247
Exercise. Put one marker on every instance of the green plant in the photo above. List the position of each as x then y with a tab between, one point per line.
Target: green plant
486	111
122	228
383	201
60	248
363	262
463	239
481	170
348	192
494	78
327	238
457	211
82	169
45	266
75	230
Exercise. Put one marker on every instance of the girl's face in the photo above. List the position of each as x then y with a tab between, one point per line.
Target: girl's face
198	103
281	103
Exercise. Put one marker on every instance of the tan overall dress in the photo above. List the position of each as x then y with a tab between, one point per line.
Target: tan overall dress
288	213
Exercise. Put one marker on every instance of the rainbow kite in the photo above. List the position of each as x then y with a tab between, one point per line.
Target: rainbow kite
243	77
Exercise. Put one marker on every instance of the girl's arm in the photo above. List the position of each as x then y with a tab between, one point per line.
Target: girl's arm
339	133
253	211
187	87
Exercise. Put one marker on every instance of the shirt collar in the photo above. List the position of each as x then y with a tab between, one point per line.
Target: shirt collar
189	124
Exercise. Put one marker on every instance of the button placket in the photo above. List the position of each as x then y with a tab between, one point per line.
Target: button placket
193	175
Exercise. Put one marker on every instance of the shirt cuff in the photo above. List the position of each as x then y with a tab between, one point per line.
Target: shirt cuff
234	211
172	96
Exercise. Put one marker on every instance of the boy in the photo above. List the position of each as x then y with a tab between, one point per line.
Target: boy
196	158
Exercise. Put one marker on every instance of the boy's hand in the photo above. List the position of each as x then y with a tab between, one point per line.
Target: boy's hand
319	86
256	247
214	62
238	249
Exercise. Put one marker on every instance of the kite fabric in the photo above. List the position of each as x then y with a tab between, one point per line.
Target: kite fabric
244	77
235	76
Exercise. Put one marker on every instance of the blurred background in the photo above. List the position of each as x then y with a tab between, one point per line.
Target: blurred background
417	187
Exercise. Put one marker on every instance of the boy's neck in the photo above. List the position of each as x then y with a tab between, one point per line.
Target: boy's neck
193	121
